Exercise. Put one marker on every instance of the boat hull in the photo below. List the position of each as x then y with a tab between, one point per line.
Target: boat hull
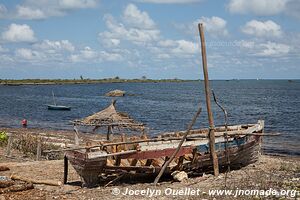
193	157
54	107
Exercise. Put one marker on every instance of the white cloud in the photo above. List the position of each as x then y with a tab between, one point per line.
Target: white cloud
88	54
273	49
262	29
18	33
185	47
29	54
215	26
257	7
118	32
167	43
55	45
265	49
24	12
41	9
133	16
77	4
110	56
169	1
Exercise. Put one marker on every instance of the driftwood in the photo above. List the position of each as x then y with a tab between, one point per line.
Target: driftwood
6	183
45	182
17	188
4	168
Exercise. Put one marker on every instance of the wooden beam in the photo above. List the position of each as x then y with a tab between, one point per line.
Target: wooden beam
208	106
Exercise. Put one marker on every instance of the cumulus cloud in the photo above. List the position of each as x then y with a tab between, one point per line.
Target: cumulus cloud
133	31
77	4
133	16
265	49
185	47
41	9
257	7
55	45
24	12
18	33
262	28
273	49
215	26
169	1
88	54
29	54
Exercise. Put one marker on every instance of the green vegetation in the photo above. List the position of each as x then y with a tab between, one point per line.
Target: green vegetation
85	81
3	138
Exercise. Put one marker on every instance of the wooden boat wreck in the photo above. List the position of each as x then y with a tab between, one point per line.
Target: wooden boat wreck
192	151
140	155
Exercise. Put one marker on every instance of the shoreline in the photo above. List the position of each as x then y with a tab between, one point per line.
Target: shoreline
19	82
86	81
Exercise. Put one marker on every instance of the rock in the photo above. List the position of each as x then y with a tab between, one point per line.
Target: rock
116	93
179	176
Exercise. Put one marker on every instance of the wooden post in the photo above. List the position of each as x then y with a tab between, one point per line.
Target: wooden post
76	136
9	144
207	95
66	168
109	133
39	150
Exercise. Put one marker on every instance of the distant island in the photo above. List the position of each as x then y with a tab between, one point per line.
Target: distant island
13	82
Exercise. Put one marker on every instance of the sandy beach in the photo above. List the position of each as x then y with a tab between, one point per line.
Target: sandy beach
269	173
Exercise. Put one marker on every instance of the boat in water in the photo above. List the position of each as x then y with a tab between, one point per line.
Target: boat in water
54	106
57	107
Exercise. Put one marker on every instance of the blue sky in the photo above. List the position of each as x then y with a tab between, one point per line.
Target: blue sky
152	38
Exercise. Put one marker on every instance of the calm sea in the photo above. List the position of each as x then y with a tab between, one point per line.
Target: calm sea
165	106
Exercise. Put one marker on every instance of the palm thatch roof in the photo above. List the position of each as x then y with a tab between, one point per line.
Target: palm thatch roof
110	117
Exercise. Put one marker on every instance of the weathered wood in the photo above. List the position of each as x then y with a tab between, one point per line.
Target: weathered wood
6	183
179	146
208	106
9	144
76	136
66	169
39	150
190	137
17	188
134	162
34	181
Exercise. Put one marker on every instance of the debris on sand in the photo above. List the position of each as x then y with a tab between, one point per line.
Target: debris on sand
179	176
116	93
4	168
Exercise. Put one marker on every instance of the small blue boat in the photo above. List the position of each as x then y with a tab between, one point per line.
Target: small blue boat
57	107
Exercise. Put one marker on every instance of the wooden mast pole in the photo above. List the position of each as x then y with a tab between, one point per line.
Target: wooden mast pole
208	105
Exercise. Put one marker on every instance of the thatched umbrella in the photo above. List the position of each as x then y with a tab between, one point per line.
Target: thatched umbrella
110	118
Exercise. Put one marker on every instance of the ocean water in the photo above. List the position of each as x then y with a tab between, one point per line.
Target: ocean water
165	106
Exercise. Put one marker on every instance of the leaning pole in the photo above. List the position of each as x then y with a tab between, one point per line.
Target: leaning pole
211	132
